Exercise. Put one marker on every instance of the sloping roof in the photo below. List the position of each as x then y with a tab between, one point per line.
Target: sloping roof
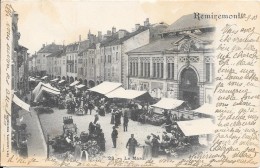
51	48
128	36
157	46
55	54
188	22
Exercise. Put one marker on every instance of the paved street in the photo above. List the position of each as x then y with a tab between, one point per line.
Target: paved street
52	125
36	142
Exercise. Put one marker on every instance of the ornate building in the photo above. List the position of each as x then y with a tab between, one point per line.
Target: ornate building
179	65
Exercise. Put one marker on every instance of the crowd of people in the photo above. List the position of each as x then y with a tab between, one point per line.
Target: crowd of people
81	102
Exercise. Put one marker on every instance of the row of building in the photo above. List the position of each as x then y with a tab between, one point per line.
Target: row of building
174	60
19	60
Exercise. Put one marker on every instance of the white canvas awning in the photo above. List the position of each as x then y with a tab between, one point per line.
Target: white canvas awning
196	127
46	90
32	79
105	87
80	86
40	85
208	109
21	103
74	83
44	77
125	94
168	103
54	80
61	81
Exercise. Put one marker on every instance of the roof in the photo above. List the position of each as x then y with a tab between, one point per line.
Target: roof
51	48
114	40
92	46
55	54
158	46
188	22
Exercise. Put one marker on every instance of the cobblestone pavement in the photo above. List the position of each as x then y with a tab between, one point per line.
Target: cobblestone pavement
52	125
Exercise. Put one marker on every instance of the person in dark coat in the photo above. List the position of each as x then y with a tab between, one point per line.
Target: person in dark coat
155	147
90	107
91	128
114	136
102	141
126	120
132	143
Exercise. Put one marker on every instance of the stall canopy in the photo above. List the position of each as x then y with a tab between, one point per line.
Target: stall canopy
105	87
74	83
196	127
32	79
126	94
206	108
80	86
44	77
168	103
43	90
61	81
37	89
21	103
54	80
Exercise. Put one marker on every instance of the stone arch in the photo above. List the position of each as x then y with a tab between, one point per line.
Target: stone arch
63	78
185	67
85	82
91	83
80	80
71	79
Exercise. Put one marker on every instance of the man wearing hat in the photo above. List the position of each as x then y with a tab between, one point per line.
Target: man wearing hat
132	143
114	136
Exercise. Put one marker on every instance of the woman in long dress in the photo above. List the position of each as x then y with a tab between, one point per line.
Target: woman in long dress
147	153
155	147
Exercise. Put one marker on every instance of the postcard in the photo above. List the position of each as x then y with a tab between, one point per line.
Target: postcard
130	83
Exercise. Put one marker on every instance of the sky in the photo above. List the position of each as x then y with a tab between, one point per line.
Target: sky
62	21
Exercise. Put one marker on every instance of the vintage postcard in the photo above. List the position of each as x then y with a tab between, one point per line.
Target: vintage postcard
130	83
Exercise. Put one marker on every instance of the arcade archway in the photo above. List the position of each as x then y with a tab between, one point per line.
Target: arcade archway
71	79
80	80
91	83
188	87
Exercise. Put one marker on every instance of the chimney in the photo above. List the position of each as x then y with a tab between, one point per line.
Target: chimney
43	45
137	26
79	38
121	34
113	30
99	36
146	22
109	33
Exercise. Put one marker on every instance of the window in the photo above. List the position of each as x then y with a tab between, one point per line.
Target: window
208	72
158	70
154	69
161	70
130	70
116	56
142	68
148	74
136	69
170	70
145	69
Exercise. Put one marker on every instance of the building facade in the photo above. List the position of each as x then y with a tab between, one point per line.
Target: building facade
180	65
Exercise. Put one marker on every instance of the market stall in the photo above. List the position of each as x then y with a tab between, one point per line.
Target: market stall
61	81
45	77
74	83
105	87
205	111
54	80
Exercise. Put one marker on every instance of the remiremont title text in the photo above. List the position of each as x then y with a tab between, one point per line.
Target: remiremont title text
203	16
